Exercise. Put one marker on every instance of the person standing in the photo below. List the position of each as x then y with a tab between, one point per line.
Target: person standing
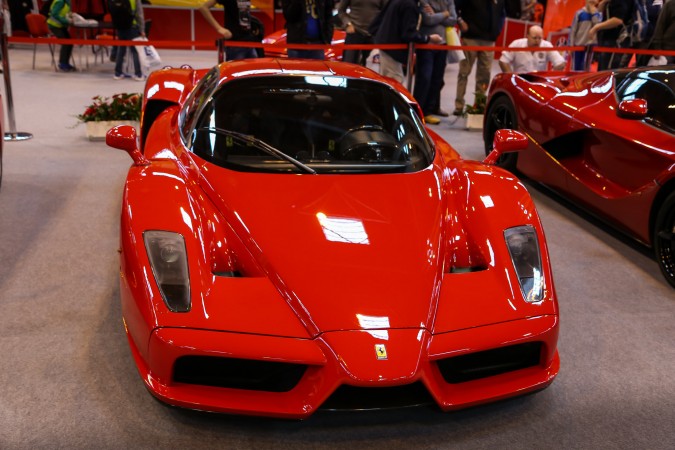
481	21
356	16
664	32
129	24
398	23
525	61
583	20
58	21
653	8
616	14
430	64
237	26
527	9
308	22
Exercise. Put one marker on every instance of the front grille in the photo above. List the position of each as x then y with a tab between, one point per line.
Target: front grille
364	398
490	362
236	373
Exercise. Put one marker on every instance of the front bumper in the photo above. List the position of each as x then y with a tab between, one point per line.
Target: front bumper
350	359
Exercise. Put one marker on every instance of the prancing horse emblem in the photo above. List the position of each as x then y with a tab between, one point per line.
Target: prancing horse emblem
381	351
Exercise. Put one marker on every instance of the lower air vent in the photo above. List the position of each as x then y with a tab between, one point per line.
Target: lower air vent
366	398
479	365
238	373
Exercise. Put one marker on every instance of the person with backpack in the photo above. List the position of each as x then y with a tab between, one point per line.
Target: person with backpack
617	14
58	21
238	26
129	22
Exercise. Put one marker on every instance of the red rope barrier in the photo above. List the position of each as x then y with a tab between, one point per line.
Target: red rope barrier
190	44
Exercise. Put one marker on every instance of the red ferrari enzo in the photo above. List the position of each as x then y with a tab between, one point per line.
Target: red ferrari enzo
605	140
293	238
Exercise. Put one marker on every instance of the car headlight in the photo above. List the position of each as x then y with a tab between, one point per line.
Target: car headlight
524	250
168	259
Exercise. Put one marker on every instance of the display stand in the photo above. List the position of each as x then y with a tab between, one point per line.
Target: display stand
11	134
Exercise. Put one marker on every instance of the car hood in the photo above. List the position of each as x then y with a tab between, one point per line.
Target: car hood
347	252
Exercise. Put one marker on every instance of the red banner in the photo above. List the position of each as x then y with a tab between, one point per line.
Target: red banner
559	14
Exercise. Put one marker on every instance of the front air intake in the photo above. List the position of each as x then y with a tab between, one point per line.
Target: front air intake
474	366
350	398
269	376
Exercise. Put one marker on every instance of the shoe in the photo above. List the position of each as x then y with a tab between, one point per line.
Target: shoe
66	68
140	77
457	112
442	113
121	76
432	120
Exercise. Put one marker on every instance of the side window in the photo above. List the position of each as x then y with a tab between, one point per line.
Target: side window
198	98
660	99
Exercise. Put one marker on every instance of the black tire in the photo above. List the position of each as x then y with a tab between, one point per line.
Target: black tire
500	114
664	239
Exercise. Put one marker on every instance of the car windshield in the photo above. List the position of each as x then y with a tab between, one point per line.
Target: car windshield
657	86
310	124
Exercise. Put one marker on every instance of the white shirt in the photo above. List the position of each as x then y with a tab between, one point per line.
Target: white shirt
531	61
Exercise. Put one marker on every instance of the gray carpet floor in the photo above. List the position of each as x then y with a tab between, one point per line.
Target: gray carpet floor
67	379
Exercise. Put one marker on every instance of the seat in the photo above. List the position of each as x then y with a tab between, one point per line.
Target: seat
37	27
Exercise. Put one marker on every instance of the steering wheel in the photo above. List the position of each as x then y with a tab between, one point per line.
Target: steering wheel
366	149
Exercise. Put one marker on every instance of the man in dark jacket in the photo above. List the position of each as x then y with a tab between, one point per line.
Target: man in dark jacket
481	22
664	31
399	23
308	22
615	14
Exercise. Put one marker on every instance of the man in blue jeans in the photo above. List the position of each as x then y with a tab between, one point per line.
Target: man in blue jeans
127	34
308	22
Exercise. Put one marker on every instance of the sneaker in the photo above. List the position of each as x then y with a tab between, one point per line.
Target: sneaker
66	68
457	112
440	112
121	76
432	120
140	77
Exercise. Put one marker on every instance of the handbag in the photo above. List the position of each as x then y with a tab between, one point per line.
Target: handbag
147	54
452	39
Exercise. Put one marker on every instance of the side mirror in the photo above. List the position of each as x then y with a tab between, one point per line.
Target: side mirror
123	137
506	141
635	108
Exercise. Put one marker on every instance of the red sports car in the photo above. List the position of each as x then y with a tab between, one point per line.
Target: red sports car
293	238
605	140
277	45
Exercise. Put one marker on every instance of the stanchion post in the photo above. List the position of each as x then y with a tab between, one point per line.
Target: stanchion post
221	50
410	68
12	134
588	57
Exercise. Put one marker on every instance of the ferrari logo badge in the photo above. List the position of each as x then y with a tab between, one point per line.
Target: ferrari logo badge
381	351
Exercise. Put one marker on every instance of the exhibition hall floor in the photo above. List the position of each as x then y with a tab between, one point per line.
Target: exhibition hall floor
67	378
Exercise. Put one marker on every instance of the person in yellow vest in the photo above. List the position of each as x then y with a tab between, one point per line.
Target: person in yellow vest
130	29
58	21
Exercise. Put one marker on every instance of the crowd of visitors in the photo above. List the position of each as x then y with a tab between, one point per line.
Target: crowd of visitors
601	23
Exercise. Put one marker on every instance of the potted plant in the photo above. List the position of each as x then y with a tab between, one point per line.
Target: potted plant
107	112
474	113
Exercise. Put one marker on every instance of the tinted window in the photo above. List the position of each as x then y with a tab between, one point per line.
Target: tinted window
330	124
657	86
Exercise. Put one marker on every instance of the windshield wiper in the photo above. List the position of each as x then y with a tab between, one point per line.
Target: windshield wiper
261	145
